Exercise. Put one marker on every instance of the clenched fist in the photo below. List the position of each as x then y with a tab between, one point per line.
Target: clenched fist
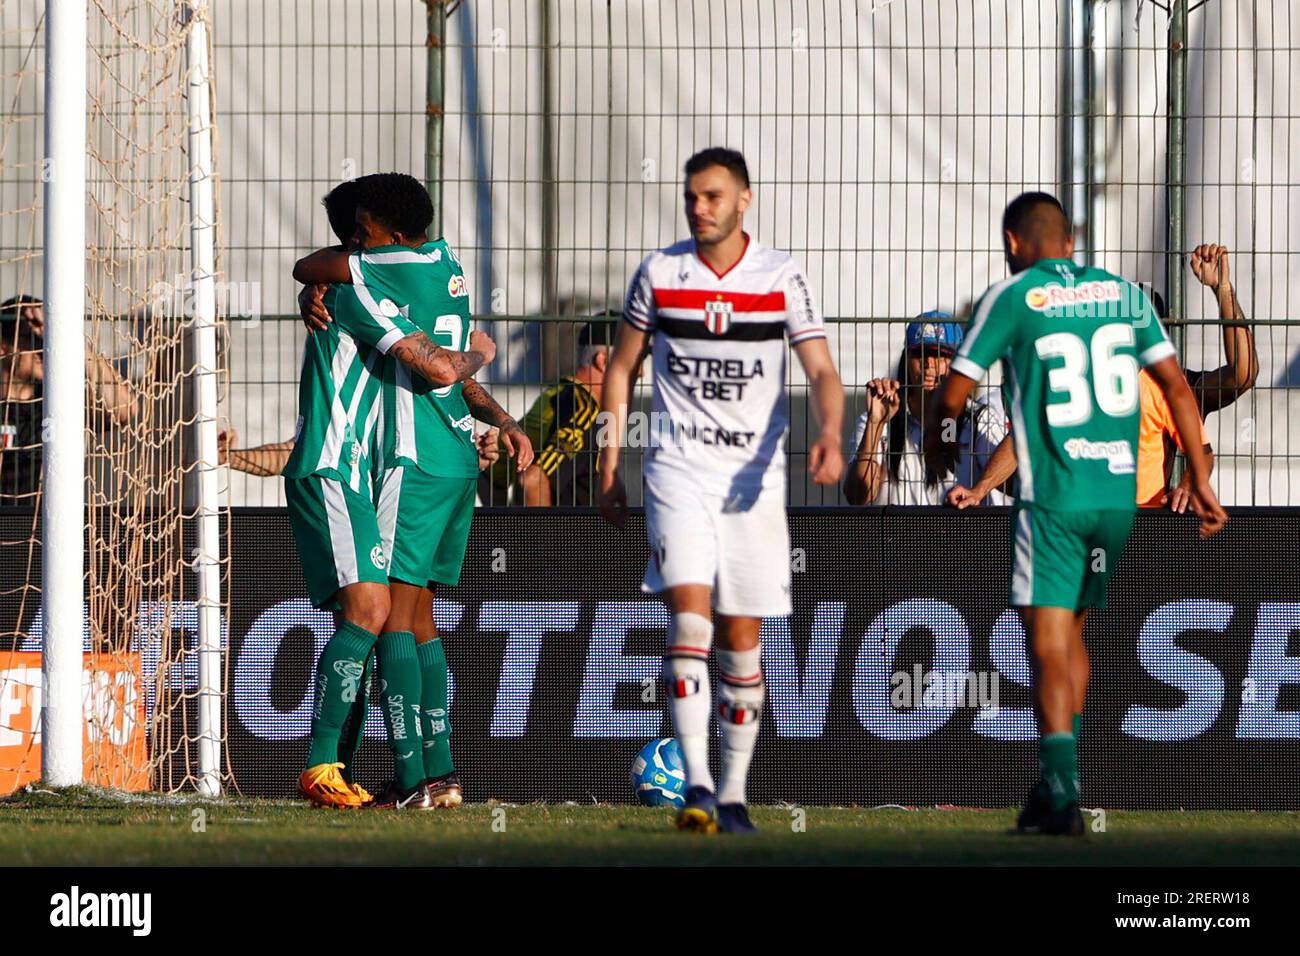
482	343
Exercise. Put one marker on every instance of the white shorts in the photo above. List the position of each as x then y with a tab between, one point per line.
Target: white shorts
741	551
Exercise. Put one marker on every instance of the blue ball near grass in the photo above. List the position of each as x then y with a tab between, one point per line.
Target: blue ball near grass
659	775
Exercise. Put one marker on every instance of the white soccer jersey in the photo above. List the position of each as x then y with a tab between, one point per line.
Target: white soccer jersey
720	413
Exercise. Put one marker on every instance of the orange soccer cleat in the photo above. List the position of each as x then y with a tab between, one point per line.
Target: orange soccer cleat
324	786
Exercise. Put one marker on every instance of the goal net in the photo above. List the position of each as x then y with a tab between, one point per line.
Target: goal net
145	415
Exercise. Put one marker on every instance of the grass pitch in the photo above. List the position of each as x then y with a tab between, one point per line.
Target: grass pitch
85	827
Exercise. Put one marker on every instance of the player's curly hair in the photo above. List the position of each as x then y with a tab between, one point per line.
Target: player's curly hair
398	201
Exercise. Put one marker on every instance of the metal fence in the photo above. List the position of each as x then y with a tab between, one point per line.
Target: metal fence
884	139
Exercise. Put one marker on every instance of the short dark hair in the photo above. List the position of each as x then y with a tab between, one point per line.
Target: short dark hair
599	333
729	159
398	201
341	207
9	310
1036	215
12	305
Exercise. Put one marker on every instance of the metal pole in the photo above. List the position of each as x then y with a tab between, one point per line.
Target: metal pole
1078	154
550	227
1092	173
64	458
1175	163
207	565
434	101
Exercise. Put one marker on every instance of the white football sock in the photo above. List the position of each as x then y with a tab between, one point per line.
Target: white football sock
740	705
686	675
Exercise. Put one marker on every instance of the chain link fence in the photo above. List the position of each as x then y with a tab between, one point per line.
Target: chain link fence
884	139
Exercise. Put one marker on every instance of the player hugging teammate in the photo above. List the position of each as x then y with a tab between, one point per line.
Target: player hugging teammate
715	312
381	484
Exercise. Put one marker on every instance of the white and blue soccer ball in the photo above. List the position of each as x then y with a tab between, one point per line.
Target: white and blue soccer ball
659	775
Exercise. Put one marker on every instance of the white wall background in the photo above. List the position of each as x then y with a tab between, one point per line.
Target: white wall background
884	139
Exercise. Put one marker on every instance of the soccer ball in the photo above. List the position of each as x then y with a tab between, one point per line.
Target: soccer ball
658	774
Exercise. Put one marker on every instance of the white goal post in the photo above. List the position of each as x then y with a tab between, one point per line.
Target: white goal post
64	458
203	277
71	105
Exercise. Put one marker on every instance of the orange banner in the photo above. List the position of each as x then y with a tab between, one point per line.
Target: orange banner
113	704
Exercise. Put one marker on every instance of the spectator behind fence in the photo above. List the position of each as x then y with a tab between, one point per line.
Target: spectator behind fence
561	425
887	466
1213	389
22	389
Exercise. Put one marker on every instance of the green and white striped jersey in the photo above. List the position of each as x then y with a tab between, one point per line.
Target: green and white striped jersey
1071	340
424	427
340	389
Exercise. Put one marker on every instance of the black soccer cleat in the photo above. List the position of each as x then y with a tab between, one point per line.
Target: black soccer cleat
1067	821
734	818
700	812
394	797
445	792
1037	805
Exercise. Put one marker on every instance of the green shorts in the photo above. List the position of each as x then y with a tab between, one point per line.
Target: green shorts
424	524
1065	558
337	532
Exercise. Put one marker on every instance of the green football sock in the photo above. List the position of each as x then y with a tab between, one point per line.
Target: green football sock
1075	723
338	679
433	706
354	727
399	691
1059	757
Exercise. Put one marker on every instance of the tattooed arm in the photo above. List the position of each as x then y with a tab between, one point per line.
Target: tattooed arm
484	408
440	366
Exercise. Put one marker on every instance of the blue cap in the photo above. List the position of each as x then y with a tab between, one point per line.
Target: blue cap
935	329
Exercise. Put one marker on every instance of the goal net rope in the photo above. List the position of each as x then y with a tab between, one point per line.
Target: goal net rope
140	681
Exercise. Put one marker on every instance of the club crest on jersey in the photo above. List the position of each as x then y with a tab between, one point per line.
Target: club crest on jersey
717	316
456	286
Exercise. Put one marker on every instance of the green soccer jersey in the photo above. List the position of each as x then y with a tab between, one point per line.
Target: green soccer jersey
340	388
424	427
1071	340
